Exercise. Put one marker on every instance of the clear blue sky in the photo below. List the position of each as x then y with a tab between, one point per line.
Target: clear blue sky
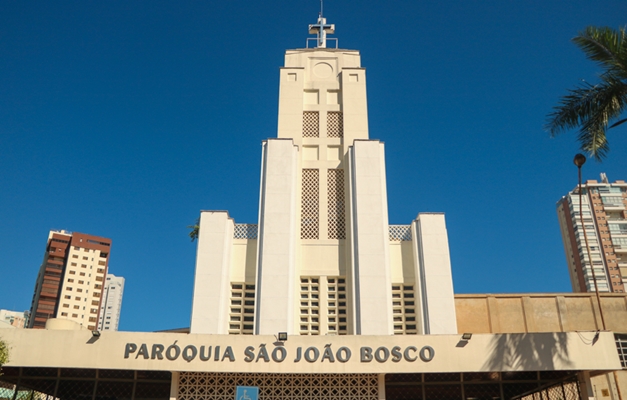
124	119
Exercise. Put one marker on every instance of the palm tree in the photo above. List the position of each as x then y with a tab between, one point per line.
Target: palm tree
4	354
195	230
593	107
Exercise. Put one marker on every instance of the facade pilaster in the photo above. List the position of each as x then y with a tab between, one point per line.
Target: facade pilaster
372	291
276	250
213	265
433	274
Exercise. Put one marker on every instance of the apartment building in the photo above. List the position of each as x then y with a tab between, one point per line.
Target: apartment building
71	279
604	210
111	303
17	319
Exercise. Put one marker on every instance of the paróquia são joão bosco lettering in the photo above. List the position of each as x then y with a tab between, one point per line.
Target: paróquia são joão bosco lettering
277	354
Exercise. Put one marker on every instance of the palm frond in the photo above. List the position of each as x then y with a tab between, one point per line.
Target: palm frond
622	121
591	108
571	109
195	230
605	46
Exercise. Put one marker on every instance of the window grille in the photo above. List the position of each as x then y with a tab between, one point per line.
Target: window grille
336	305
309	322
242	309
404	309
335	124
245	231
311	124
222	386
400	233
309	204
621	346
337	225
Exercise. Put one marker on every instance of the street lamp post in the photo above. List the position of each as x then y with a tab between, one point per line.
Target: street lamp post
579	161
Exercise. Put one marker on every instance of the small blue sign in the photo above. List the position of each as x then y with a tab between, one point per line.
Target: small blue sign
247	393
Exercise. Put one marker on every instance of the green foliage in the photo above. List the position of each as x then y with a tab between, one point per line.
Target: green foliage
592	108
195	230
4	353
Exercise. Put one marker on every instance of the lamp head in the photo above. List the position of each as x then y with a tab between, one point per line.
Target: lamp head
579	160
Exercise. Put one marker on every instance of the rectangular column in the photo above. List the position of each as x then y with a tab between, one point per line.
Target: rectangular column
354	104
291	89
372	291
213	265
276	250
433	274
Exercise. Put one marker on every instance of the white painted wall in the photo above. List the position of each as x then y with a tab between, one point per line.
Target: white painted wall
211	282
433	274
276	256
372	292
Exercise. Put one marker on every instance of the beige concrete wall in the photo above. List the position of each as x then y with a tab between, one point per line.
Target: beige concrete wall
255	354
211	282
555	312
538	312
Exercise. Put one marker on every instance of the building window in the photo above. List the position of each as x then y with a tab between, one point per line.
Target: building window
335	200
336	305
335	124
311	124
404	309
309	204
309	305
241	317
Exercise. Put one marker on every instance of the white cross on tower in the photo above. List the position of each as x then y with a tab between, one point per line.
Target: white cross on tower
321	29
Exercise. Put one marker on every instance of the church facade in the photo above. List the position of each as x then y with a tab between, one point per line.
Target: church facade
323	299
323	258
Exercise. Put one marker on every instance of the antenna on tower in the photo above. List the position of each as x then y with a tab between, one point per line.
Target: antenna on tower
321	29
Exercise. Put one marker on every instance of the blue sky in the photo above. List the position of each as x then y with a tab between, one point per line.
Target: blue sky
124	119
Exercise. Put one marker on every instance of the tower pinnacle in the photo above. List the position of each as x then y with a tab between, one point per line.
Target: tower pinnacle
321	29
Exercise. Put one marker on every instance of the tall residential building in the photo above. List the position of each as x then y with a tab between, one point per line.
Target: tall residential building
18	319
71	279
322	258
111	303
604	209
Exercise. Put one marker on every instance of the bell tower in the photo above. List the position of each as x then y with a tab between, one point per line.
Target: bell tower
323	258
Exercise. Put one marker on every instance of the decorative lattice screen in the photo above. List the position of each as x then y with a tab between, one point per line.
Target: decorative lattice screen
404	309
335	124
400	233
311	124
245	231
336	305
309	228
309	306
242	309
621	346
335	181
222	386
